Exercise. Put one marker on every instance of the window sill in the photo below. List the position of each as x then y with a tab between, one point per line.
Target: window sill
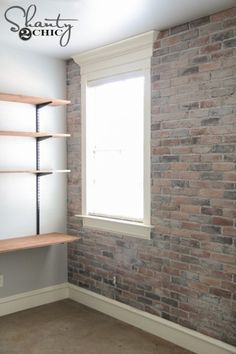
124	227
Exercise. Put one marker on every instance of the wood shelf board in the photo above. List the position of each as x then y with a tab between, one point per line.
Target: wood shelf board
33	134
35	241
9	97
34	171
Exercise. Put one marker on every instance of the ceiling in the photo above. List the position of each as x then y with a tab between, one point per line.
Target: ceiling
98	22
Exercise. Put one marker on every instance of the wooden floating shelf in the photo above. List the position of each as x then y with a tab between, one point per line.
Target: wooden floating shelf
35	171
9	97
35	241
33	134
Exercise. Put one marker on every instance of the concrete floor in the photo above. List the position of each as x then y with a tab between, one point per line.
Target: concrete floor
66	327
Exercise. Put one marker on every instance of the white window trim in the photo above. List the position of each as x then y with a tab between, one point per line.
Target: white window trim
136	229
132	54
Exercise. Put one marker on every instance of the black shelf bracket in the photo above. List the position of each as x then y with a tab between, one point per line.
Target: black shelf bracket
38	107
41	105
44	174
41	138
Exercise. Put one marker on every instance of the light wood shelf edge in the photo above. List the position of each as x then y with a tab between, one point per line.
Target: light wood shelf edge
9	97
35	241
33	134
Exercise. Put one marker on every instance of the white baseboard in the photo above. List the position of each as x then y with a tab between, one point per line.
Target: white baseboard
33	298
179	335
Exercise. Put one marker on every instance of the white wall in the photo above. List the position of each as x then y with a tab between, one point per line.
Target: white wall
23	72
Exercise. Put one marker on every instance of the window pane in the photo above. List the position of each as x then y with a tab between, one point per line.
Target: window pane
114	148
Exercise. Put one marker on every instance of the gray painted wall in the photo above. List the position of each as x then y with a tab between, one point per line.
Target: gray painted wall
23	72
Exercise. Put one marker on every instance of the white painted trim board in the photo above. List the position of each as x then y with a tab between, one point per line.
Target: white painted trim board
172	332
33	298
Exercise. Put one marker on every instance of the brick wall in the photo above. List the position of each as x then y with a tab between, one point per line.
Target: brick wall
187	272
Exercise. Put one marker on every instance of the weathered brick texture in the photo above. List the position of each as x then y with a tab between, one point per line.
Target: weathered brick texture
186	273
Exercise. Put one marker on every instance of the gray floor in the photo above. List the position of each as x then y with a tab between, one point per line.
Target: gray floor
66	327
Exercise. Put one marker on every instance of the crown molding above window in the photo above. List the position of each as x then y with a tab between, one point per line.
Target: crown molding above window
136	48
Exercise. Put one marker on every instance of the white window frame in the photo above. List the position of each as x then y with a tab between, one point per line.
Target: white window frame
130	55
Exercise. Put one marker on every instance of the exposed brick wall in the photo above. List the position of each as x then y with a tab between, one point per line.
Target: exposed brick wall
187	272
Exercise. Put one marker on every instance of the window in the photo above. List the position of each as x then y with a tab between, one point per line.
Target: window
116	138
114	148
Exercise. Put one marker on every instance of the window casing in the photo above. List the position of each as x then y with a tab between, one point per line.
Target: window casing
116	75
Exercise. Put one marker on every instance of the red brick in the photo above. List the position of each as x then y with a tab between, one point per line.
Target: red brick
190	208
208	104
163	34
230	176
222	54
220	292
188	308
211	193
190	225
210	281
199	42
224	166
220	16
157	44
224	258
229	213
200	287
161	151
217	220
229	231
166	42
210	48
231	22
229	286
209	66
211	211
192	124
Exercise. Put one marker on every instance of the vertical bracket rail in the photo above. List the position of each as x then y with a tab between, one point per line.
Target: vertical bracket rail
38	107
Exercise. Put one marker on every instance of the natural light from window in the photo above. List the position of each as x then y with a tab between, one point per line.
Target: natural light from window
115	148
